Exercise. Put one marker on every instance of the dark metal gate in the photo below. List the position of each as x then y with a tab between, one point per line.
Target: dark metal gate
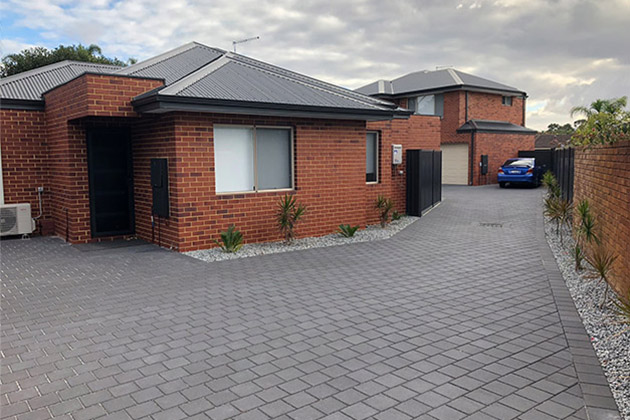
424	180
564	171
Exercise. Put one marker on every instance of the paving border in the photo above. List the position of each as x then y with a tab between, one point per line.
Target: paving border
598	399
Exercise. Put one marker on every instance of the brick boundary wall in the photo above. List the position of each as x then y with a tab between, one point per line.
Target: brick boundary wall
602	175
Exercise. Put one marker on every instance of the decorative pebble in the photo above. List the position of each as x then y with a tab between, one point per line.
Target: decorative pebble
371	233
610	335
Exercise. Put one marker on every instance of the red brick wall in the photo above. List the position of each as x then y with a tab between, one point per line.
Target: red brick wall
418	132
25	161
87	96
329	177
487	106
499	148
454	116
602	175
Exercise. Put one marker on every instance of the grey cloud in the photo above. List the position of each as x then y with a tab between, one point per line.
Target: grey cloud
563	53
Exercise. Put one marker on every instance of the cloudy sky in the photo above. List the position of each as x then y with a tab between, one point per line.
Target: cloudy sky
561	52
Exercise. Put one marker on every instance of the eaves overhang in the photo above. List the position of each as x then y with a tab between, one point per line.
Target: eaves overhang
453	88
155	104
24	104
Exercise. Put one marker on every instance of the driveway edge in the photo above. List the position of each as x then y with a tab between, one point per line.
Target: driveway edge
598	399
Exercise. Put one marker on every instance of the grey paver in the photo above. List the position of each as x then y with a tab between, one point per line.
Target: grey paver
450	318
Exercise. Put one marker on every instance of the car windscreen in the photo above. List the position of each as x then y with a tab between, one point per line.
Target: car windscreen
519	162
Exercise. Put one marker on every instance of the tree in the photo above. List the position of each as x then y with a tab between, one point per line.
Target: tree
606	122
35	57
607	106
555	128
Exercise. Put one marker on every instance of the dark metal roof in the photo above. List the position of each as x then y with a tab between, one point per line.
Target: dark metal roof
425	81
30	85
239	82
486	126
551	141
175	64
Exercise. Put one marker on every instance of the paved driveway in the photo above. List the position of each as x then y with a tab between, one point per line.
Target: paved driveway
462	315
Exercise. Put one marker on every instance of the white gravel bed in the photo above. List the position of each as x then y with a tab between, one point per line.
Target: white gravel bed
371	233
609	334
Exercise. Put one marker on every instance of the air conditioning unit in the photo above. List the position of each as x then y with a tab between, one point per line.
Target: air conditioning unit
15	219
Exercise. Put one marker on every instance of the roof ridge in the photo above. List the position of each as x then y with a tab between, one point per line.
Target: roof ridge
197	75
150	62
455	76
48	67
308	80
314	86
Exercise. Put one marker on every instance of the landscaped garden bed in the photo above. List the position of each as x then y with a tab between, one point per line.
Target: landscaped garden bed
371	233
608	330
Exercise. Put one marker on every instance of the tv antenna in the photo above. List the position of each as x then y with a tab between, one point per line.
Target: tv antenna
242	41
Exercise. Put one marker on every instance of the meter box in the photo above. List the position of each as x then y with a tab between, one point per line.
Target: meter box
397	152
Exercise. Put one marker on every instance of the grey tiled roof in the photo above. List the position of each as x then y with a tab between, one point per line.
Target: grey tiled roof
433	80
494	126
30	85
551	141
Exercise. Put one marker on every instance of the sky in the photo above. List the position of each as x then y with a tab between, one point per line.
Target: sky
561	52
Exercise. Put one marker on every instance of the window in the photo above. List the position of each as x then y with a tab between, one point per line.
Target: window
427	105
507	100
371	157
252	159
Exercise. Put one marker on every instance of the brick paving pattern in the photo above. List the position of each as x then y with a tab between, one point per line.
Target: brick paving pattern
453	318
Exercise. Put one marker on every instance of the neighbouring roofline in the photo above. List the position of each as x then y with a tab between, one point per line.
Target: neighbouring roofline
155	103
491	126
454	88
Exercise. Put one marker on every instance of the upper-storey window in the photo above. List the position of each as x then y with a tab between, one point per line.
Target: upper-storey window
427	105
252	158
507	100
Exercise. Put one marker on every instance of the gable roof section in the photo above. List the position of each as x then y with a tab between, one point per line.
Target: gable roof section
175	64
237	84
551	141
438	80
488	126
28	87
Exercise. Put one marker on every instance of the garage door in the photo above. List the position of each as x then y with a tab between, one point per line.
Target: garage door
455	164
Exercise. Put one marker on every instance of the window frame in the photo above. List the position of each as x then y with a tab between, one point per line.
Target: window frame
504	100
254	127
377	157
438	102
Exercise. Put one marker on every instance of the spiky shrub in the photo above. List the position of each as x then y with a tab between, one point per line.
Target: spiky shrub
289	214
550	181
560	212
384	206
602	260
347	231
231	240
396	215
584	232
622	306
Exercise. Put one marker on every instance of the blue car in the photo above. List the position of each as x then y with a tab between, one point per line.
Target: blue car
520	171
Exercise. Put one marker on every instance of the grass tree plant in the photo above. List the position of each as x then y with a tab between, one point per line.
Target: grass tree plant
289	213
231	240
384	205
602	260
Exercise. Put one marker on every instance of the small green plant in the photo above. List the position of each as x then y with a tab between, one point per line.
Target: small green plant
289	214
231	240
396	216
622	306
560	212
384	206
584	232
602	260
550	181
347	231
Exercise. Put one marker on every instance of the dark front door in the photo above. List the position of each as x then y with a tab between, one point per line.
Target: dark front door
111	181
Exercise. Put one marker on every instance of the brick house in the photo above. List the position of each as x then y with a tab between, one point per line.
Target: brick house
478	117
224	136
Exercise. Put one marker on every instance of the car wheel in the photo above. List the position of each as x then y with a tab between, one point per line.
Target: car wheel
502	184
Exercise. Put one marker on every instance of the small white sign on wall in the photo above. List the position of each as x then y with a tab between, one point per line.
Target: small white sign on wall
397	154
